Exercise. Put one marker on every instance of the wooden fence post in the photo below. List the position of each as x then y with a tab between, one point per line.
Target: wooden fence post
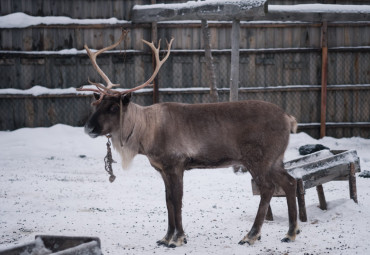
155	39
211	72
324	76
234	73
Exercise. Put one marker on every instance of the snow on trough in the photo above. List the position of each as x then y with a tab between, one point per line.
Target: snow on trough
53	182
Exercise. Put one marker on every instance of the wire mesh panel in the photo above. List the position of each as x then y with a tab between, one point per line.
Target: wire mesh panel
349	67
43	111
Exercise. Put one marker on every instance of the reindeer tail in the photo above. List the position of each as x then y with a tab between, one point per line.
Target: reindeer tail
293	123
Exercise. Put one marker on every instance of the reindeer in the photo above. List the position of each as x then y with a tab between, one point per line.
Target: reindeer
176	137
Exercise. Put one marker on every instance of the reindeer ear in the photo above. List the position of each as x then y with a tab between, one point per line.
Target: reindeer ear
126	98
96	96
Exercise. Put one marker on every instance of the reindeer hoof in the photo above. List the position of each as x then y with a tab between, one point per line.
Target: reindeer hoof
249	240
286	240
176	242
244	242
291	237
163	242
160	242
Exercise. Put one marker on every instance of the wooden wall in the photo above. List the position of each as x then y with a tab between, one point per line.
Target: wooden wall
280	63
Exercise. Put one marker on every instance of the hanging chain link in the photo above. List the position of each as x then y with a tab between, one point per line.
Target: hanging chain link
108	160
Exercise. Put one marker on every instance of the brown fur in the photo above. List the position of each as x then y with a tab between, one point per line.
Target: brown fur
177	137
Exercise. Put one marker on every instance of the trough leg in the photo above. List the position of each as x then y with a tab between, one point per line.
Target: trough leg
352	183
301	201
322	200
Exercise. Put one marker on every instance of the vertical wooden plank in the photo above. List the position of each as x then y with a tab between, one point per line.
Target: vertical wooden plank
270	38
213	38
252	38
261	38
278	37
296	37
287	37
187	33
365	38
30	112
196	38
222	38
234	76
24	39
8	113
252	79
6	37
340	37
8	69
243	39
299	62
349	39
324	72
196	71
287	73
177	72
223	71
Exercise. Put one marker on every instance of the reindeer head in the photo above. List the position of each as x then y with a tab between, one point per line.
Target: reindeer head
111	104
107	114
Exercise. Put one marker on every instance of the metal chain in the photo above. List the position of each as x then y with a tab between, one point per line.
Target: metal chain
108	160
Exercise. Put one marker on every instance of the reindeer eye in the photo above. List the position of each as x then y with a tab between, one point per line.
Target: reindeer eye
114	108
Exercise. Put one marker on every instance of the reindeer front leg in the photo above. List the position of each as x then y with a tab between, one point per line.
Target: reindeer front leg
173	181
171	216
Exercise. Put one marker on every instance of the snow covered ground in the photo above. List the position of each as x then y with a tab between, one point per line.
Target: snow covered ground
52	181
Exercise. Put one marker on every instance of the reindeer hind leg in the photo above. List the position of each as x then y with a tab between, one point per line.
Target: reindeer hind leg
267	188
289	185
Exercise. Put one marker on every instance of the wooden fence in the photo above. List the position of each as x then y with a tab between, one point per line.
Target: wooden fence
280	62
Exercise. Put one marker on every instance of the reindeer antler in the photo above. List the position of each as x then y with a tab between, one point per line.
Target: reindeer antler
107	90
100	88
158	65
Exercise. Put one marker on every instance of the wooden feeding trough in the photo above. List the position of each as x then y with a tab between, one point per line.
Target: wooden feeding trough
316	169
61	245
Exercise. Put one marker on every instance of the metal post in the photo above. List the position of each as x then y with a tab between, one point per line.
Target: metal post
324	76
234	74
